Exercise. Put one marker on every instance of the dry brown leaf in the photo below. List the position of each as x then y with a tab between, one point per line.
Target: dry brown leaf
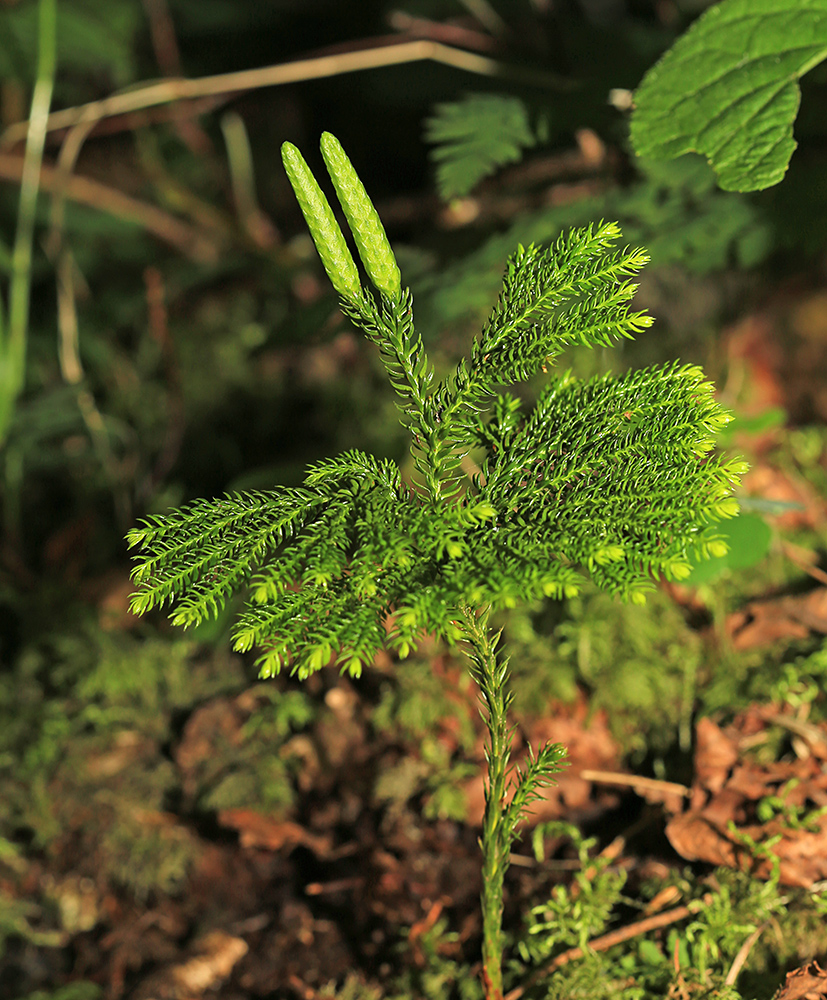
760	623
807	983
715	753
257	830
722	819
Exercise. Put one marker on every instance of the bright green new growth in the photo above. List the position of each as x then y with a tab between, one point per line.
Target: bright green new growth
729	89
613	475
363	219
330	241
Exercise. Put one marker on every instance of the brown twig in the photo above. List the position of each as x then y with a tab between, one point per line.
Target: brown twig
439	31
157	317
799	556
169	91
636	781
86	191
606	941
162	34
168	57
743	954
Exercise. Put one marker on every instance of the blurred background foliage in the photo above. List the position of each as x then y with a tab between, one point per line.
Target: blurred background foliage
183	342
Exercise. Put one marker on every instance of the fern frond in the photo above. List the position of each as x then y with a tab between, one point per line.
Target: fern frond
528	324
354	465
476	135
614	475
539	771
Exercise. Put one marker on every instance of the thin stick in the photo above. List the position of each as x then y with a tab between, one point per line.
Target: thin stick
13	340
635	781
167	91
86	191
606	941
798	555
743	954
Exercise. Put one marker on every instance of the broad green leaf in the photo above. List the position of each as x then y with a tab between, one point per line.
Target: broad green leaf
728	89
748	537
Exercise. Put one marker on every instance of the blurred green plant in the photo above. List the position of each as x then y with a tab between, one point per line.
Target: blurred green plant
82	706
572	914
748	537
83	990
639	664
476	135
694	957
14	327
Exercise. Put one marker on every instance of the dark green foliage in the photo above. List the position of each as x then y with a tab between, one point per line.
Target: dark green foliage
612	475
84	705
476	135
83	990
572	915
249	768
639	664
694	955
93	36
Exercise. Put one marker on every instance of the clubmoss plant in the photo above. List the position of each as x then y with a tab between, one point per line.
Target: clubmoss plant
614	476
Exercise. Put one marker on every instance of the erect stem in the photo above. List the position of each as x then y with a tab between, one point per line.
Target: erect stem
491	675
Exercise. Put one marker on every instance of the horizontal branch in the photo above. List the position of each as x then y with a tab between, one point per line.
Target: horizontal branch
169	90
612	938
86	191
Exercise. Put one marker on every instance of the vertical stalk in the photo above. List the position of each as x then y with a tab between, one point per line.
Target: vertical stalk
491	675
13	341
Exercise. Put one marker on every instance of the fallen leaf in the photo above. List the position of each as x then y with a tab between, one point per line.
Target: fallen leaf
724	819
760	623
806	983
715	753
258	830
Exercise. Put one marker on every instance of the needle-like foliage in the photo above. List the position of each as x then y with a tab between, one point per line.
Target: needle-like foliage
614	476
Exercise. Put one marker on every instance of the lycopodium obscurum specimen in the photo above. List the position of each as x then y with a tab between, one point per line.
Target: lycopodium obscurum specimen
614	477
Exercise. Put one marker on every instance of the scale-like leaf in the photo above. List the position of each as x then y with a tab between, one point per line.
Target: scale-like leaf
728	89
611	476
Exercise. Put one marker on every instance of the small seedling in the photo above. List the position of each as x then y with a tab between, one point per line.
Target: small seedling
614	476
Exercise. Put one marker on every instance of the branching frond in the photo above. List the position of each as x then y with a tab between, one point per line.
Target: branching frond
574	292
579	271
208	549
474	136
540	770
613	477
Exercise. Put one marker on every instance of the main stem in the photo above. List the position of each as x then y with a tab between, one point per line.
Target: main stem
491	675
